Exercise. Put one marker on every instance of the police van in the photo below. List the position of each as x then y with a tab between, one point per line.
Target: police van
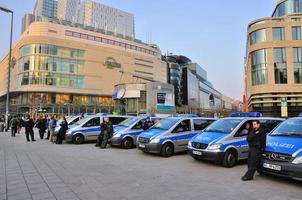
283	152
125	133
224	141
171	135
88	128
71	120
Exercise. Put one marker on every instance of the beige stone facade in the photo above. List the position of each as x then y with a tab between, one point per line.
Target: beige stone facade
103	58
266	97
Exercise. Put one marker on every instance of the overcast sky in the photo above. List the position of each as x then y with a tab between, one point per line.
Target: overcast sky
211	33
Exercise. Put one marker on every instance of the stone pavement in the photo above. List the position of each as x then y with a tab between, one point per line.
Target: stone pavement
41	170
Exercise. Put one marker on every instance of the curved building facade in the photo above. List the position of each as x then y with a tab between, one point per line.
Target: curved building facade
64	69
273	66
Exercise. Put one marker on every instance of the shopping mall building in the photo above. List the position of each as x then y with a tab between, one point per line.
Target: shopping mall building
61	68
273	67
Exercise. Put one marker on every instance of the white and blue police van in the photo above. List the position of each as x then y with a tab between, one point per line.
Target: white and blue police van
125	133
71	120
283	152
171	135
88	128
225	141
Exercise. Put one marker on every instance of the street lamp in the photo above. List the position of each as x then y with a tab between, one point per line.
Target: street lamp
9	63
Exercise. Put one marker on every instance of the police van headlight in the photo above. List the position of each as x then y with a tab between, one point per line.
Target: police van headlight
297	160
214	147
189	144
117	135
155	141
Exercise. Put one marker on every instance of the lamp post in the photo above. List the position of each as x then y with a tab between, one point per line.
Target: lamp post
9	63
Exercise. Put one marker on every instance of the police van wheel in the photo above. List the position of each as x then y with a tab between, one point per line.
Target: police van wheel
78	139
229	159
127	143
167	150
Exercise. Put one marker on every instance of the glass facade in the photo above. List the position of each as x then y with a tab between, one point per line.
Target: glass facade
259	67
258	36
280	66
296	33
297	59
278	34
43	64
288	7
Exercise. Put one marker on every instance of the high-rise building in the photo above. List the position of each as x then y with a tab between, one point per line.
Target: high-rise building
273	66
107	18
68	9
26	21
46	8
90	14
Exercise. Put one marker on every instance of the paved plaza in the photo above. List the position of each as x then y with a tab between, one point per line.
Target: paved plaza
41	170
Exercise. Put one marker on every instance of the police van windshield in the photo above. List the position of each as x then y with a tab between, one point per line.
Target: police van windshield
128	122
289	128
223	126
165	124
81	121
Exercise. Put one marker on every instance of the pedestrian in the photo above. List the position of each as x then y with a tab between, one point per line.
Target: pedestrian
51	127
62	131
106	133
148	123
47	126
13	125
257	140
29	124
19	125
41	124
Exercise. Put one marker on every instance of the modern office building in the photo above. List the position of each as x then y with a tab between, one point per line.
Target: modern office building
46	8
273	66
89	14
107	18
68	10
192	89
26	21
62	68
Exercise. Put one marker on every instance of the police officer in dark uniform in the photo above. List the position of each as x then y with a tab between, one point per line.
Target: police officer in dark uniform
148	123
106	134
256	140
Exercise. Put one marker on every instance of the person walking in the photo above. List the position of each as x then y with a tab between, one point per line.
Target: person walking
29	124
42	126
19	125
62	131
257	140
13	125
106	133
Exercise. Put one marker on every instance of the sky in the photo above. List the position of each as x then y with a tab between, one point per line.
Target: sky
211	33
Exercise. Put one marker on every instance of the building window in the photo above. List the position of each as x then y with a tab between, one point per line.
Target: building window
278	34
297	59
259	67
280	66
296	33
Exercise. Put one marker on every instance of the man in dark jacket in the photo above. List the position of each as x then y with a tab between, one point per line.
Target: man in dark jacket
106	133
29	124
42	126
148	123
14	124
256	140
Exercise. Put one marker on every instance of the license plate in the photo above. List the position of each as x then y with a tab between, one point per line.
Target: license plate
199	153
142	146
271	166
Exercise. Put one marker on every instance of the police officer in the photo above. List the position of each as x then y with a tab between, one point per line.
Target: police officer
148	123
256	140
106	133
29	124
